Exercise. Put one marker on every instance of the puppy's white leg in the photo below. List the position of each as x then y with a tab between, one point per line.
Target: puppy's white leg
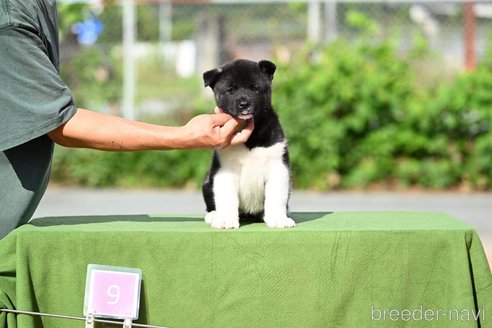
276	197
209	217
226	214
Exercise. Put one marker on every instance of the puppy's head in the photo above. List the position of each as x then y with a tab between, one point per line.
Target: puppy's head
242	88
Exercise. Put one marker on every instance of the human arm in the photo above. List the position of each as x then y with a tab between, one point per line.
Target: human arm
87	129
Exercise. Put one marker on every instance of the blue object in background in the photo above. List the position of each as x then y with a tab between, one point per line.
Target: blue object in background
88	30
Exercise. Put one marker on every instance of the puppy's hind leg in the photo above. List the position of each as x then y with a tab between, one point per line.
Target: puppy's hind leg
208	196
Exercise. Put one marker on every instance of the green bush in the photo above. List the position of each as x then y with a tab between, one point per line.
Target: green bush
357	117
98	84
166	169
341	111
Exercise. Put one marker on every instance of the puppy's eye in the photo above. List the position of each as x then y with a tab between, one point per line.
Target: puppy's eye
255	88
230	89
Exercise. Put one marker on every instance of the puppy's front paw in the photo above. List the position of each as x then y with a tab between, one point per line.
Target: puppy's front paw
209	217
220	220
281	221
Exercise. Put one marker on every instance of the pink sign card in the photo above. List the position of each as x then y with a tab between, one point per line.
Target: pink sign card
112	292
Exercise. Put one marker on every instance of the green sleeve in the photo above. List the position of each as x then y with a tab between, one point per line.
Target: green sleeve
33	98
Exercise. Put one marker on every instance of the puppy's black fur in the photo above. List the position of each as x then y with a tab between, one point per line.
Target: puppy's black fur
243	89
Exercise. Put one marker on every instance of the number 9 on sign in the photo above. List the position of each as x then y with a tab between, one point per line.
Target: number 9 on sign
112	292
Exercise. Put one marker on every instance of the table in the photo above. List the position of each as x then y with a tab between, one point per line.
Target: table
344	269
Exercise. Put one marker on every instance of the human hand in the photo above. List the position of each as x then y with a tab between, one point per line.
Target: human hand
216	130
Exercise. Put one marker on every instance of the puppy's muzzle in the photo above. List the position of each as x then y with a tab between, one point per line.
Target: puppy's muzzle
245	109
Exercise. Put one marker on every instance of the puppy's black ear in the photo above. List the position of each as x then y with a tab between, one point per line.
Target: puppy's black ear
210	77
268	67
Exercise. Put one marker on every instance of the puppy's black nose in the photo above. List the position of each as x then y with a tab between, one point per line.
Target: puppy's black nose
244	104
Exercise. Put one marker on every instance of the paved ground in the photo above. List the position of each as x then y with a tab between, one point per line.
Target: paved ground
473	208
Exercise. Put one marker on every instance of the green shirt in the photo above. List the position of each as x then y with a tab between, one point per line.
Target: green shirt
33	101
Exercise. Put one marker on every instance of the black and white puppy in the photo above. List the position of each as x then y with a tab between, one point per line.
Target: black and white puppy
250	180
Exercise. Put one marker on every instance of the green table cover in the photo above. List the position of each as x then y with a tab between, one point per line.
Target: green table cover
347	269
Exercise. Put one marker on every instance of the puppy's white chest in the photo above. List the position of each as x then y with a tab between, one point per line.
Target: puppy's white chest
252	169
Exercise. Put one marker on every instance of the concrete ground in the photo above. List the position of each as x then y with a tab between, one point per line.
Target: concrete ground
473	208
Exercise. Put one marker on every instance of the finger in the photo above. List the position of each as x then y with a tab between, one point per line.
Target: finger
243	136
229	127
220	119
217	110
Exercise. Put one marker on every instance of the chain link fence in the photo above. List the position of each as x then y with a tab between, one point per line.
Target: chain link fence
176	40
